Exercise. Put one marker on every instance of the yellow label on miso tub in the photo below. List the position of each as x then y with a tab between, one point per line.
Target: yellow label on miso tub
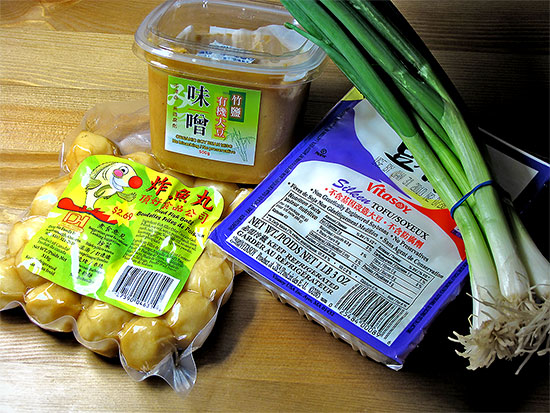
212	121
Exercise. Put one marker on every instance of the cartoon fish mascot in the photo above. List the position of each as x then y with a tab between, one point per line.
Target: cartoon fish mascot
109	179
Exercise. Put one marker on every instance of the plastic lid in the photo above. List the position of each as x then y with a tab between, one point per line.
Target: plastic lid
230	35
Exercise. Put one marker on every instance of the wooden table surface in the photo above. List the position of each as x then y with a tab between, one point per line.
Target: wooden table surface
58	58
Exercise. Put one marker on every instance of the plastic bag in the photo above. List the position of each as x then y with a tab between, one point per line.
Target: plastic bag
147	346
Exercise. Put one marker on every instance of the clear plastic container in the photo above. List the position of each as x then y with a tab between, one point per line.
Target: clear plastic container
227	84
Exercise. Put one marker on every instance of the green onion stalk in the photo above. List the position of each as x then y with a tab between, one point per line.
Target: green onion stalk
510	281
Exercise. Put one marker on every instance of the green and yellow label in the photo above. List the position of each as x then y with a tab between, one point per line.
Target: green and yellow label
212	121
124	234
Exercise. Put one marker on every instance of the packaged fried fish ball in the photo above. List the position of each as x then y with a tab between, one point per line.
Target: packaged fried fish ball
22	232
214	251
49	302
100	321
87	301
187	180
29	279
227	189
11	287
48	196
188	316
239	197
144	342
87	144
210	276
144	158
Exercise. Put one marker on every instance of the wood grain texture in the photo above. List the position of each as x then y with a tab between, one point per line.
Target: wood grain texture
59	58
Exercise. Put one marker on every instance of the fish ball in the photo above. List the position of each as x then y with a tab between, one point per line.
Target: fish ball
241	195
213	250
48	196
100	321
189	314
210	276
11	286
184	179
144	342
87	301
22	232
146	159
49	302
87	144
30	279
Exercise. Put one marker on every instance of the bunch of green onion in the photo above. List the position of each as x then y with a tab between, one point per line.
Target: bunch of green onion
509	277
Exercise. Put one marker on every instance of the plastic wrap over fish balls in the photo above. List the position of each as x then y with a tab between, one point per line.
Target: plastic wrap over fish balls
22	232
106	329
48	196
87	144
99	321
30	279
144	342
228	190
87	301
11	286
188	316
184	179
239	197
144	158
210	276
49	302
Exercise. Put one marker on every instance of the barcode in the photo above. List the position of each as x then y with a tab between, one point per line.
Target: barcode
142	287
370	311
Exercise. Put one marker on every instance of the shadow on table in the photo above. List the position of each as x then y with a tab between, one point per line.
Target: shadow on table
496	388
231	323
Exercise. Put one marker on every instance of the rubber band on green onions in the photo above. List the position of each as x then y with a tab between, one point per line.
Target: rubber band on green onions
509	277
461	200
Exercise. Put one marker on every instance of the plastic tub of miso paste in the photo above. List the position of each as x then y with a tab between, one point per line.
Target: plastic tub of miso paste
227	82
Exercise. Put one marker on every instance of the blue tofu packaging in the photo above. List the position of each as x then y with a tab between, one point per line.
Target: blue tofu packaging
348	230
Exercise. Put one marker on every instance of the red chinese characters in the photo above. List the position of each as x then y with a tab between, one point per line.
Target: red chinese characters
372	215
204	200
175	200
159	185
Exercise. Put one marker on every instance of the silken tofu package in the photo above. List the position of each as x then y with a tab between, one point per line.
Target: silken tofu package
348	230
